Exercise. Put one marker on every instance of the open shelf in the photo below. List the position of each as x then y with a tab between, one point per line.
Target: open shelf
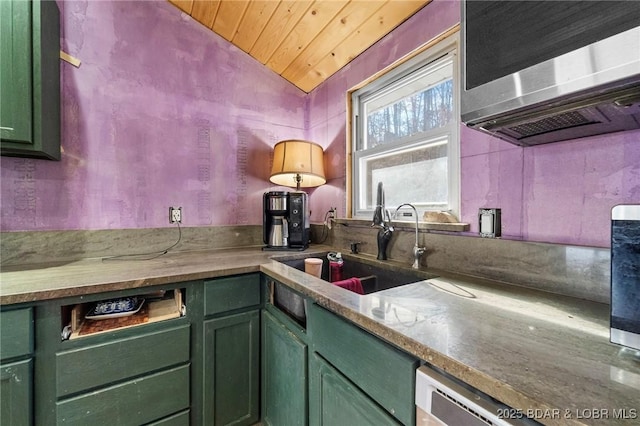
157	306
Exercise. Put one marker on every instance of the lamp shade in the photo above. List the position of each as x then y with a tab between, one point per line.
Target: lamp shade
298	163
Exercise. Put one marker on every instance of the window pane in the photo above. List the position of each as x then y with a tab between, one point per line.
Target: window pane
415	175
422	104
406	135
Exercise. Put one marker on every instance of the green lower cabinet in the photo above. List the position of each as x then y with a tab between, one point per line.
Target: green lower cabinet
16	333
134	402
231	369
88	367
385	373
15	393
284	375
336	401
124	378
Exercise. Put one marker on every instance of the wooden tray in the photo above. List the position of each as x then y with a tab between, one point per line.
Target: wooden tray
150	312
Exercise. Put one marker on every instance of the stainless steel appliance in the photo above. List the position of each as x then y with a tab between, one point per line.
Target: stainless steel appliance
625	275
544	71
441	401
285	220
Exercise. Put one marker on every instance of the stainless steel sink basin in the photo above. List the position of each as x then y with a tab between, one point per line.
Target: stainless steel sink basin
374	275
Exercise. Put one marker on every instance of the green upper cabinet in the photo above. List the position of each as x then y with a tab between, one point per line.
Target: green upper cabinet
15	71
30	78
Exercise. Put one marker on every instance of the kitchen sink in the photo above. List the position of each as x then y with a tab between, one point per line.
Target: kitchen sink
374	275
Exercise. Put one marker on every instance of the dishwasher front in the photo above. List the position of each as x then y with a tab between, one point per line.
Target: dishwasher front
441	401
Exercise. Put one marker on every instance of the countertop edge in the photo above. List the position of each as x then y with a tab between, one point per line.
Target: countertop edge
72	291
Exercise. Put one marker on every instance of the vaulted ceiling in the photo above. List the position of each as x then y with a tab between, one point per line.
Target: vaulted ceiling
305	41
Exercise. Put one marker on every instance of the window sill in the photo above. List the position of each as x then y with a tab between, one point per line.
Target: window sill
409	224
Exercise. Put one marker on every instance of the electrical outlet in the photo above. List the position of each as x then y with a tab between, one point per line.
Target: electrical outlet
331	214
175	214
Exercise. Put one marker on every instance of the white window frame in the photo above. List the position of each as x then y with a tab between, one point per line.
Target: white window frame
447	46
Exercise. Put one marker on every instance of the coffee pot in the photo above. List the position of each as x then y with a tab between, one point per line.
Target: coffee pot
285	220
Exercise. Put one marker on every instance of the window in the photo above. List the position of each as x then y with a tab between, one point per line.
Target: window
405	135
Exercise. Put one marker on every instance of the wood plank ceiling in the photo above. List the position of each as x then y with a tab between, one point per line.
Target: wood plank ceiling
305	41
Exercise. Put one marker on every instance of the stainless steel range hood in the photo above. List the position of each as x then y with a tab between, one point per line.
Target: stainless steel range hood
588	91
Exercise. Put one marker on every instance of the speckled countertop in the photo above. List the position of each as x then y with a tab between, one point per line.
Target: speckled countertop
36	282
531	350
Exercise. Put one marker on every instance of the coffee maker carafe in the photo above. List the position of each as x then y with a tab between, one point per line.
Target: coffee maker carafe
285	220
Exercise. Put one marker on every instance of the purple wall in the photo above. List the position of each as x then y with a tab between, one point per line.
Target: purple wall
561	192
558	193
163	112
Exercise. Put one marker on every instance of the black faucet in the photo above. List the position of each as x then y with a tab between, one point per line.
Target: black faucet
382	220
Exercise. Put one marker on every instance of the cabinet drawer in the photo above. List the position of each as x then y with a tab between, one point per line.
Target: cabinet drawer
135	402
16	333
226	294
385	373
98	365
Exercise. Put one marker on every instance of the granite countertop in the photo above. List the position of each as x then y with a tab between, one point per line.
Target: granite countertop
30	283
532	350
529	349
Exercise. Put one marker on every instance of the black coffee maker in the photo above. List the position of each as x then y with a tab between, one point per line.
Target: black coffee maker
285	220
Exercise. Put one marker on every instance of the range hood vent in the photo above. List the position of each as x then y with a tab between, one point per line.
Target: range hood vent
557	122
571	73
612	112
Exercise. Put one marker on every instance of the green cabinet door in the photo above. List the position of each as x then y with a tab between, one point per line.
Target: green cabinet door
15	71
284	375
231	369
15	393
30	78
382	371
335	401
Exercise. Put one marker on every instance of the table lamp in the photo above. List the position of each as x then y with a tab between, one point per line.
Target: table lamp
298	163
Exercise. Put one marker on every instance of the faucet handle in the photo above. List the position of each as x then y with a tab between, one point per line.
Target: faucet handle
417	254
